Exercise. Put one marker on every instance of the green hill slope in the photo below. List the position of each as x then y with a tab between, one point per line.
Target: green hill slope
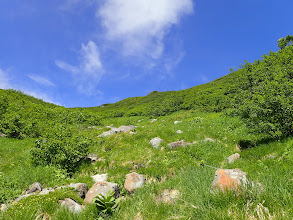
23	115
214	96
49	144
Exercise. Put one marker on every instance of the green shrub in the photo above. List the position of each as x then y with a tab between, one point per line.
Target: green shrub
12	125
266	100
64	150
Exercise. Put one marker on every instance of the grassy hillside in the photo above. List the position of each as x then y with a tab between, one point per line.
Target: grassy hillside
267	164
22	115
249	111
215	96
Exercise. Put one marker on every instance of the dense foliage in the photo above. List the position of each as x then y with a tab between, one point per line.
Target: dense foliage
62	149
265	101
22	115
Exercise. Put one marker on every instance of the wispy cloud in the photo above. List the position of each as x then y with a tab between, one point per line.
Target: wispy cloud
41	80
171	63
7	83
141	26
4	80
88	73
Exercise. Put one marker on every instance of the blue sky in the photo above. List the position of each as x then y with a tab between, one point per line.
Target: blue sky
90	52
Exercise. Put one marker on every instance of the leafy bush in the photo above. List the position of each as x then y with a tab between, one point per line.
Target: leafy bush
12	125
266	100
63	149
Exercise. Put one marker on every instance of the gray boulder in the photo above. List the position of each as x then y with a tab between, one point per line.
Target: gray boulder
155	142
81	188
177	144
121	129
133	181
35	187
46	191
177	122
179	132
233	157
71	205
100	177
154	120
125	129
101	188
107	133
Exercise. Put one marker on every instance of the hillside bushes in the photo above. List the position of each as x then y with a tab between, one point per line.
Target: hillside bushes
266	100
22	115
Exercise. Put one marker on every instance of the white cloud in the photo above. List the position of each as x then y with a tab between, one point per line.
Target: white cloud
4	80
140	26
41	80
88	73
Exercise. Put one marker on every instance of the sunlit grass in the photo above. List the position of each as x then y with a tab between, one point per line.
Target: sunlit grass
163	168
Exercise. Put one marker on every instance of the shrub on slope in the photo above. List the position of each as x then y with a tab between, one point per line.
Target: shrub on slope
265	101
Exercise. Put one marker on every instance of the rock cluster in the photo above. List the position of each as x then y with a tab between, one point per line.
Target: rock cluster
121	129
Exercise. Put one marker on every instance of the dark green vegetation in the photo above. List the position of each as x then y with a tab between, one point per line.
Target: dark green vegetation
248	111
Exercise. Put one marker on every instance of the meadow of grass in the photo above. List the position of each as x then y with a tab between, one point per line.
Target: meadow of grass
163	168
